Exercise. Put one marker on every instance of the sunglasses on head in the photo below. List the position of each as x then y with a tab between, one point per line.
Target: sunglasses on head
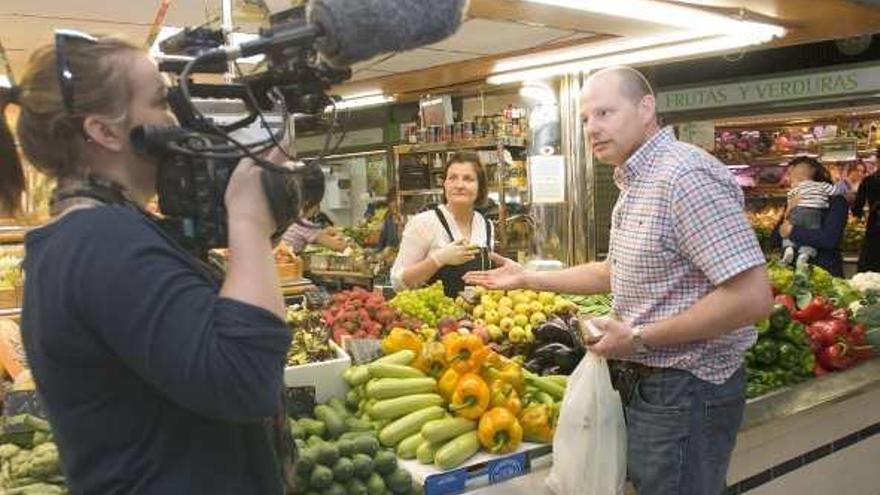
65	75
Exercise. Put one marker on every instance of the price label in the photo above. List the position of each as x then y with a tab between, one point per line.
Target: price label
507	467
299	401
446	483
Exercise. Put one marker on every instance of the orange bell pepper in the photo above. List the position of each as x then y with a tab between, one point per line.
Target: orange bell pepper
470	398
465	353
499	431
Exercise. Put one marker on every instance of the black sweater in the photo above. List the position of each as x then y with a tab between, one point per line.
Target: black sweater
154	384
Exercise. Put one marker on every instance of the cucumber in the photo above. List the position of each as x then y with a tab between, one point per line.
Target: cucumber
355	424
426	452
457	450
335	423
384	370
440	430
411	423
389	388
338	405
403	357
407	447
546	385
400	406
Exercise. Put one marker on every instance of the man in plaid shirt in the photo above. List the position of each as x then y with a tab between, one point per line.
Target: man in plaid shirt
688	279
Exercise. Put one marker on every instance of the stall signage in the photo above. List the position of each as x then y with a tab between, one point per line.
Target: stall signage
507	467
547	179
446	483
787	88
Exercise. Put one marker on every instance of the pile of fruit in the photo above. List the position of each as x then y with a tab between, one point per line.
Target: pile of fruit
29	461
362	314
427	304
311	339
511	316
441	402
339	454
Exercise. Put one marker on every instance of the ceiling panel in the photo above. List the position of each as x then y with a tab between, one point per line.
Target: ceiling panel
420	58
487	37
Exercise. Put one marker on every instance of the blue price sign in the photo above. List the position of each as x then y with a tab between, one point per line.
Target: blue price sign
446	483
507	467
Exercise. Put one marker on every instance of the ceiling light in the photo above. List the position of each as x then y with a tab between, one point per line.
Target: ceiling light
362	101
656	54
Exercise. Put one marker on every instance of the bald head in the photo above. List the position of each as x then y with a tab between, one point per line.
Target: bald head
619	113
631	83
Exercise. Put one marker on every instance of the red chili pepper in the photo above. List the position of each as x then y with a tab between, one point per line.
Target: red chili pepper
827	332
817	309
787	301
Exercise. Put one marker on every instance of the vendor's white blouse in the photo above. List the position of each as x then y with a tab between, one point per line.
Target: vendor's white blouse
424	234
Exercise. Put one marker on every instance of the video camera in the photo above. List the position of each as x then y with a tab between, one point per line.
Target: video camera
198	157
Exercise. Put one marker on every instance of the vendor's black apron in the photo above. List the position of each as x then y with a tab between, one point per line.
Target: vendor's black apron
453	276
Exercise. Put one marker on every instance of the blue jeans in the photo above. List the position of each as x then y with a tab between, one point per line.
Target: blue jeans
681	431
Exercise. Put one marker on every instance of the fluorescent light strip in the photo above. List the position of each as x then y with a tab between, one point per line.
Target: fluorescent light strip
362	101
663	53
652	11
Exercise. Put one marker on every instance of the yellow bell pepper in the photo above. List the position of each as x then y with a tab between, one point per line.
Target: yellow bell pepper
503	394
448	382
539	422
470	398
465	353
432	359
399	339
499	431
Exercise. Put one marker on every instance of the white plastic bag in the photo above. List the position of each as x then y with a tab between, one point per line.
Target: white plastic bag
589	447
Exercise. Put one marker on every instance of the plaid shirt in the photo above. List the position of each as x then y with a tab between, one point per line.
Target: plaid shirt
678	230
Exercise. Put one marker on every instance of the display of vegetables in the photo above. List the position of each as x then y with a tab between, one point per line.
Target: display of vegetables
428	304
338	452
362	314
29	462
311	339
594	305
811	330
559	347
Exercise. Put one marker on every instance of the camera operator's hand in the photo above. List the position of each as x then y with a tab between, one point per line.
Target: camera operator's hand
246	202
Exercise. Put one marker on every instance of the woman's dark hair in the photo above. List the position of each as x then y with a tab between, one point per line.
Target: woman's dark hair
11	173
482	180
311	186
819	172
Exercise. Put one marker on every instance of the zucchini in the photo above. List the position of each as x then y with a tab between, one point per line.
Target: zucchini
411	423
384	370
335	423
338	405
407	447
546	385
426	452
388	388
403	357
400	406
357	375
440	430
457	450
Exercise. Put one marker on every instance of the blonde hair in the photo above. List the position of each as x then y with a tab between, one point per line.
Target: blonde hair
50	134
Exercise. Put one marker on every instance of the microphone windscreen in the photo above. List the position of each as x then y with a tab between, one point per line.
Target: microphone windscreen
358	30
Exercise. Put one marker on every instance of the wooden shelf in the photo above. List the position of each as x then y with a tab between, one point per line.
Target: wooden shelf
455	146
422	192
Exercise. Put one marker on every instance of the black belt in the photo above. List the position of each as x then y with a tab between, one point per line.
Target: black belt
625	376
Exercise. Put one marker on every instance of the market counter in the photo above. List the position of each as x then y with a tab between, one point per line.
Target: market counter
817	437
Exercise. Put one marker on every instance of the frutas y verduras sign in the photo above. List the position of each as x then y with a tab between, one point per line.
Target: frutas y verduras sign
787	88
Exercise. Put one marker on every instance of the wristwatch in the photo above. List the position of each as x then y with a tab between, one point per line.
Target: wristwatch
638	342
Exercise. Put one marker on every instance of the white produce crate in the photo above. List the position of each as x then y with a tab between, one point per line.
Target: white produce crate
325	376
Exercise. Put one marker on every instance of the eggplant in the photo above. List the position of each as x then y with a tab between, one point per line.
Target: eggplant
554	370
568	361
549	351
551	332
535	366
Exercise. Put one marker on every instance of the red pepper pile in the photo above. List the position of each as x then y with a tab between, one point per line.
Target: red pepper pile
362	314
837	341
